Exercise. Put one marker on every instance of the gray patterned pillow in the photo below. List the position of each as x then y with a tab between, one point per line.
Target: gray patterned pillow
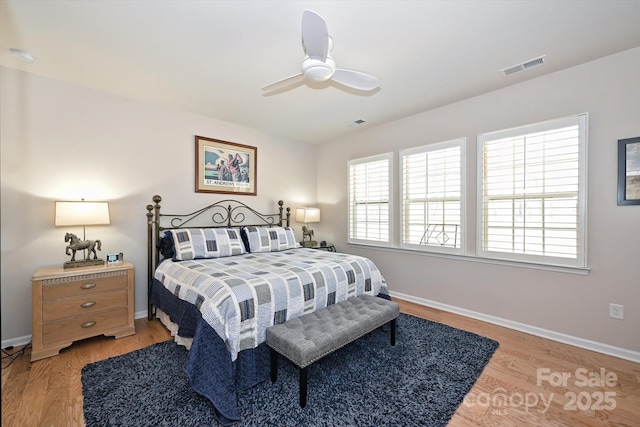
270	239
194	243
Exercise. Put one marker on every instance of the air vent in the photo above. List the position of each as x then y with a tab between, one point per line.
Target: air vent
532	63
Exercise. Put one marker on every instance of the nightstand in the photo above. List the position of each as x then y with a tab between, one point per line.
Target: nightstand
327	247
77	303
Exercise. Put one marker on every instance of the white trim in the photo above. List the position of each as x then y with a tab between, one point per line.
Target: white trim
607	349
583	271
610	350
15	342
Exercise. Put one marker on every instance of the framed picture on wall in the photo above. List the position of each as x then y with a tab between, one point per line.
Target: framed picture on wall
225	167
629	171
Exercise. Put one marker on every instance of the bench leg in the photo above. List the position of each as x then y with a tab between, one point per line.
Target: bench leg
303	386
274	366
393	332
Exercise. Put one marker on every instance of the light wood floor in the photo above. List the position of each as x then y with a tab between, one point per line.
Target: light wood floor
49	392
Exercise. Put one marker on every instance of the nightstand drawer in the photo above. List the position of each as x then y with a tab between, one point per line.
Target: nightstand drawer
83	286
83	305
84	326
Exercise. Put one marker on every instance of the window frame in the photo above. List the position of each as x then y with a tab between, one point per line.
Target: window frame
430	148
580	261
390	202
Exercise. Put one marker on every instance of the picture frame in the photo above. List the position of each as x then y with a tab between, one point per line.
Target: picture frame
629	171
225	167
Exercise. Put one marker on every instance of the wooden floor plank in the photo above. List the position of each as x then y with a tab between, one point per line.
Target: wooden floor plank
49	391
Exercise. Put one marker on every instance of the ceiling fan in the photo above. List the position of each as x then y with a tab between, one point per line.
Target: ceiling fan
319	66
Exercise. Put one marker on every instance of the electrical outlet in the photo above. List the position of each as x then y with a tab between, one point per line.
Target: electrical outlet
616	311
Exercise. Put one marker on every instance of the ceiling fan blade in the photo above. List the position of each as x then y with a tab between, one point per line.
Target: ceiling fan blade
283	83
315	36
355	79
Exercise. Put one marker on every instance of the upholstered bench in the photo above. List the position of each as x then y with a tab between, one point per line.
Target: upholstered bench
308	338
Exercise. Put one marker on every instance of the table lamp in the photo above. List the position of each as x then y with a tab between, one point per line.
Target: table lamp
71	214
307	215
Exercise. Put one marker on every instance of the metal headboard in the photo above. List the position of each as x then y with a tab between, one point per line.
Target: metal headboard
225	213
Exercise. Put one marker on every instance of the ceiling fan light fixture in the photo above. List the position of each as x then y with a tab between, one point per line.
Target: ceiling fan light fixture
317	70
318	66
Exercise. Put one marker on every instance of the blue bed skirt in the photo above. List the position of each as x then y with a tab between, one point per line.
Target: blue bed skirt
209	367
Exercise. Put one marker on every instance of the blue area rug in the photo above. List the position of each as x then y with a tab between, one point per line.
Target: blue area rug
419	382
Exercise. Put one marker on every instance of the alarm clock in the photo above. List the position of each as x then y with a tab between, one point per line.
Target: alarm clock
115	258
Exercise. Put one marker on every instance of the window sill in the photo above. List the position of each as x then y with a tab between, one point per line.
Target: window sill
470	258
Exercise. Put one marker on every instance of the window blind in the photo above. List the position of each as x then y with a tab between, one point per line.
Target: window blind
370	199
432	196
532	192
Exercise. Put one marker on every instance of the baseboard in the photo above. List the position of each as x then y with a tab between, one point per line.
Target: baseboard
15	342
607	349
610	350
140	314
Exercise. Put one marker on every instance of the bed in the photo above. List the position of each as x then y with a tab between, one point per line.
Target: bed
220	276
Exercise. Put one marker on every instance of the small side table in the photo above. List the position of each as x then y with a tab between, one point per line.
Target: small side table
77	303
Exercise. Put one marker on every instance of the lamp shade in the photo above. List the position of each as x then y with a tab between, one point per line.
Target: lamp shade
81	213
307	215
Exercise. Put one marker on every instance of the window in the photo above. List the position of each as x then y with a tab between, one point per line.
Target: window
370	200
532	193
433	197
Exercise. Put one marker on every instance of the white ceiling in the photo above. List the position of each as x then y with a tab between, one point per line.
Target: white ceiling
213	57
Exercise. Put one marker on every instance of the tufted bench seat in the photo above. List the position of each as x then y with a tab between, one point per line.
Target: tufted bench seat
308	338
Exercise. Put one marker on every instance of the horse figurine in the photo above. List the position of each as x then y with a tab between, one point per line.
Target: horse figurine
307	233
77	245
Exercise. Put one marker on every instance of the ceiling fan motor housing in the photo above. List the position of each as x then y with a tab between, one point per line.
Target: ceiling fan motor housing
318	66
317	70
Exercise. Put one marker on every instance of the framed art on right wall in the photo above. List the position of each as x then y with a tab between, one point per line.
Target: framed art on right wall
629	171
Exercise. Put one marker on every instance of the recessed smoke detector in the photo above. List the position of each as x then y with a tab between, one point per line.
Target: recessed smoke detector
523	66
21	55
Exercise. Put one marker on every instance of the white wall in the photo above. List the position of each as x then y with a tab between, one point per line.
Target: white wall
575	305
65	142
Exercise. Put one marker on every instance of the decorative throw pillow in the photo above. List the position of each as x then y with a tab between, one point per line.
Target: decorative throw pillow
269	239
165	246
194	243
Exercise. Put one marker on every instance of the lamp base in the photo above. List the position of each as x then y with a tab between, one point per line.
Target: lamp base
83	263
309	243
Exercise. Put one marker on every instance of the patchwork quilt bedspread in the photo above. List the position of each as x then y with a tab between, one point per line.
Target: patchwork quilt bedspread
241	296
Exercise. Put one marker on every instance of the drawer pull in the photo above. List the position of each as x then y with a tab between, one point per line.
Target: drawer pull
88	304
88	286
88	324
